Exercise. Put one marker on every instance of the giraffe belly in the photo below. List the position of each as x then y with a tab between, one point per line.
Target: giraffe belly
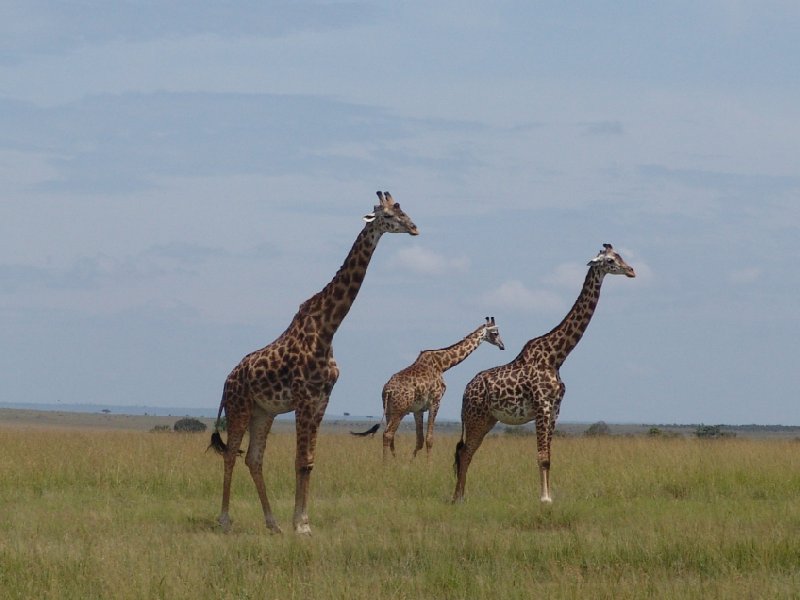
514	411
276	404
421	404
513	417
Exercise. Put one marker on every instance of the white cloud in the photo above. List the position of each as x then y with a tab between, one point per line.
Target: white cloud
567	275
514	295
421	260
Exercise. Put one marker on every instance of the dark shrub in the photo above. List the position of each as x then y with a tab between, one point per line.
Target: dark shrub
599	428
189	425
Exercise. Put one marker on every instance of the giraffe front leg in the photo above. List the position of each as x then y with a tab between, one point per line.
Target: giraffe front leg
543	438
307	426
418	422
431	420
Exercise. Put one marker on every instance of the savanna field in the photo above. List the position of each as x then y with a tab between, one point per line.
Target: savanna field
132	514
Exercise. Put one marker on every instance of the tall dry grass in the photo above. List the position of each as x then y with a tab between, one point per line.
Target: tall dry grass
132	515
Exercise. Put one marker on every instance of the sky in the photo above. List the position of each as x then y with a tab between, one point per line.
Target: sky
177	177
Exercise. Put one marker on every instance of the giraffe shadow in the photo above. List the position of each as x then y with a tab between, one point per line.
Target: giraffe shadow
195	524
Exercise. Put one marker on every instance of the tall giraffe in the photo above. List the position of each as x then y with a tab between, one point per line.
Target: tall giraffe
420	387
297	372
529	387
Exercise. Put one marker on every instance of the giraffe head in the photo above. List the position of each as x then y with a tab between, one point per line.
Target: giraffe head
491	334
389	217
608	261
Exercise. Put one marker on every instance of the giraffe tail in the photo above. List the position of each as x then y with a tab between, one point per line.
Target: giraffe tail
217	444
459	446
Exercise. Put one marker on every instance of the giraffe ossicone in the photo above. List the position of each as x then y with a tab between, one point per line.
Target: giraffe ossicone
420	386
297	372
529	388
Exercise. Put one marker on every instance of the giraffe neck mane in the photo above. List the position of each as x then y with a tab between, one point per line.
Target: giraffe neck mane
325	311
563	338
446	358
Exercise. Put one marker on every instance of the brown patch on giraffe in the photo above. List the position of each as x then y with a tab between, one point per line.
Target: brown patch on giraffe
529	388
297	372
420	386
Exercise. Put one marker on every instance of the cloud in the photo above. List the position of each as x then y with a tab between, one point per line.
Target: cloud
40	28
186	253
101	270
567	275
117	143
421	260
514	295
603	128
745	276
738	183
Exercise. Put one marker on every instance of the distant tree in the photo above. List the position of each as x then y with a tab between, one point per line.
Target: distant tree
189	425
598	429
161	429
711	432
654	432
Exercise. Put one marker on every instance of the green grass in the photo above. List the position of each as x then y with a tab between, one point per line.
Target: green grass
133	515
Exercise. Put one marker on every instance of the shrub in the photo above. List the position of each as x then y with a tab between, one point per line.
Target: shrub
161	429
189	425
712	432
597	429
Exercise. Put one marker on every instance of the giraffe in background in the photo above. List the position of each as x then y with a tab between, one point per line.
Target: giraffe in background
530	387
420	387
297	372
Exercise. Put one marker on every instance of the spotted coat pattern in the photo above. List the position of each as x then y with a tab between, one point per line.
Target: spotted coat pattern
529	388
420	386
297	372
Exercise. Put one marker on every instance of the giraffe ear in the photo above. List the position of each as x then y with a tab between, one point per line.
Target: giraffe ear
369	218
597	259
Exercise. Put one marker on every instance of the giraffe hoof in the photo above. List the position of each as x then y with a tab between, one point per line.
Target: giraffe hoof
303	529
546	500
225	523
274	528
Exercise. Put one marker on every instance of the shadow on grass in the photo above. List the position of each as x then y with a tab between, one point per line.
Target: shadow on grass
206	524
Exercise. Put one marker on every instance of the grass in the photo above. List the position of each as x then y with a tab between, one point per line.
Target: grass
115	514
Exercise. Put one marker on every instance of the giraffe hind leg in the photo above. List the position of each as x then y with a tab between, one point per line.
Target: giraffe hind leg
474	432
260	425
419	423
393	418
230	453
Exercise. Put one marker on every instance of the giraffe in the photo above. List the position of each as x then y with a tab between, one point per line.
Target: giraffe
297	372
529	387
420	386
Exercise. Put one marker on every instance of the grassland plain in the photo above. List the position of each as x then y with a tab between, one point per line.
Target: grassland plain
130	514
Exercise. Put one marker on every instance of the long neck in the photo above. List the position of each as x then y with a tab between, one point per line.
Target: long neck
449	357
330	306
566	335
